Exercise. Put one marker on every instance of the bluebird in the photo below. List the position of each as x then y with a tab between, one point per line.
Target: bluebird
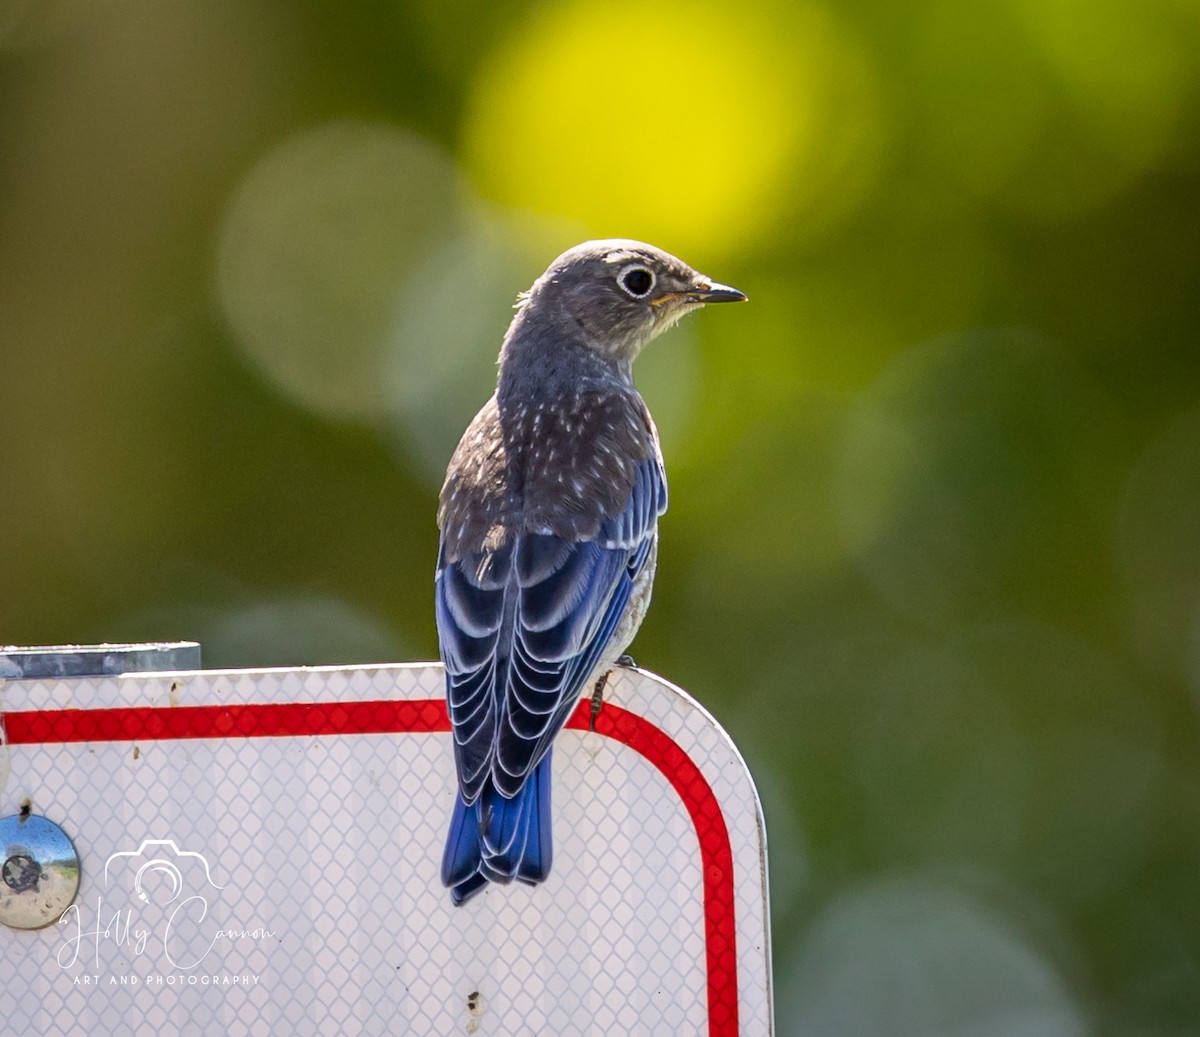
549	536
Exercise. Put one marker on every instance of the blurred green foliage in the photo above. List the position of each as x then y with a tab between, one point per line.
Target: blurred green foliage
933	555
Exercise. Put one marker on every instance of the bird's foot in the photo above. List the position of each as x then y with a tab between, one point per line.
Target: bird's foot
598	699
626	663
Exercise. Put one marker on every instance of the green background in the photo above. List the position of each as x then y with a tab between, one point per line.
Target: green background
932	556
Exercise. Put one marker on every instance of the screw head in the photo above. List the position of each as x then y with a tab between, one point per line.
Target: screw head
40	874
21	872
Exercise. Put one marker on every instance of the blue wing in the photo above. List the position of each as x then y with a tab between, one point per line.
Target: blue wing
522	627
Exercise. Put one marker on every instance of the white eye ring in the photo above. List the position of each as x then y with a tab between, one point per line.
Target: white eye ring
642	278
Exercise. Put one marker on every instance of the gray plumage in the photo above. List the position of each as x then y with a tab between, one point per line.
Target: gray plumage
548	521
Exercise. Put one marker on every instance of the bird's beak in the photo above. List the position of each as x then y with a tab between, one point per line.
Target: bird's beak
699	294
711	292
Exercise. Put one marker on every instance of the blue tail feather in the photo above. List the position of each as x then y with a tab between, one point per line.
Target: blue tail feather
534	865
462	845
498	839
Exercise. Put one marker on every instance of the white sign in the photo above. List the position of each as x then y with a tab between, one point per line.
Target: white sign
260	854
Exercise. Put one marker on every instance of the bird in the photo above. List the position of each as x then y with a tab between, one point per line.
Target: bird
548	540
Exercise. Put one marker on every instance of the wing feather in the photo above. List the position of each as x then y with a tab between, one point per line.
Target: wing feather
523	626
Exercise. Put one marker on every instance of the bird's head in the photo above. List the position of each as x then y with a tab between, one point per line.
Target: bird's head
616	295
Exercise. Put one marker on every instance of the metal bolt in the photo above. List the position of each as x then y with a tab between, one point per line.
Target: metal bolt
40	871
21	872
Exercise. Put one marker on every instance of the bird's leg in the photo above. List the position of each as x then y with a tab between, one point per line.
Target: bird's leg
626	662
597	699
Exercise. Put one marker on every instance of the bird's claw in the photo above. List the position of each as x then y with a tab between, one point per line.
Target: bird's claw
597	699
626	663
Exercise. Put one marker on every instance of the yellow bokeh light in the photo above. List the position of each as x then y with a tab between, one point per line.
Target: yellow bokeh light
685	123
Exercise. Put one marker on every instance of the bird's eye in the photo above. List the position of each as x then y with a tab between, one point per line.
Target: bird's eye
637	281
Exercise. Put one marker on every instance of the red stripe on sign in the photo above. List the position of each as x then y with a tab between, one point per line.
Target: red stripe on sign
302	719
236	720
